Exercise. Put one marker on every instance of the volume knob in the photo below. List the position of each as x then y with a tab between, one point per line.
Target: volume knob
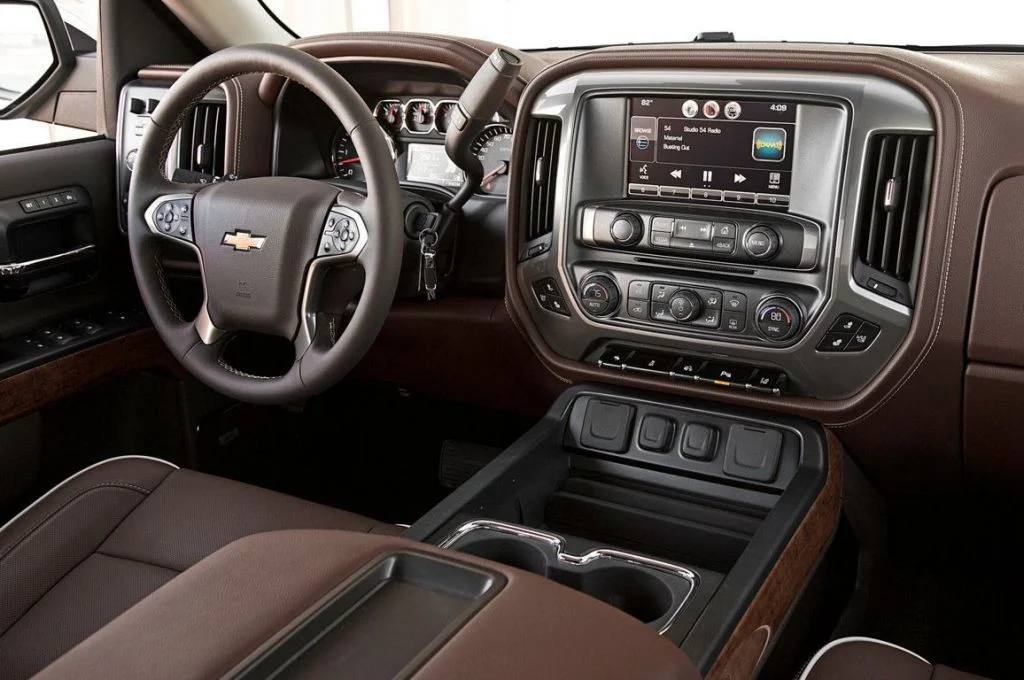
627	229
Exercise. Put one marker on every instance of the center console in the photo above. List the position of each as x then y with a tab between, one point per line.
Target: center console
677	513
766	222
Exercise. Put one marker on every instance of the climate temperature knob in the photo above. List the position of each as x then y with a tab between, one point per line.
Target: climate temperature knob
761	243
778	319
627	229
599	295
685	306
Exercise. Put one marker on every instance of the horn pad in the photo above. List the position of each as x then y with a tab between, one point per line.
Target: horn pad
256	237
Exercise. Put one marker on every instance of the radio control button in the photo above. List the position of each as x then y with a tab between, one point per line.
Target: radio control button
627	230
723	245
779	200
698	230
739	197
706	194
662	224
761	243
675	192
690	244
640	290
643	190
723	230
661	238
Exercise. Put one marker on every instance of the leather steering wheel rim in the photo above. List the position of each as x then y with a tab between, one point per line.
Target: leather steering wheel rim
285	230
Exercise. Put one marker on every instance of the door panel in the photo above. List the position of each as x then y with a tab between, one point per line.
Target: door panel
64	265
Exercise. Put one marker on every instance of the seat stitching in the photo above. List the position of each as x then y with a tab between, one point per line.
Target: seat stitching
136	560
115	484
146	493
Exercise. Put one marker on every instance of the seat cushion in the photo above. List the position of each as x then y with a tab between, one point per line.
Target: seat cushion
112	534
858	658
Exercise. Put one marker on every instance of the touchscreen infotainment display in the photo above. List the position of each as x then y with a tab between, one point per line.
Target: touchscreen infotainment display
727	150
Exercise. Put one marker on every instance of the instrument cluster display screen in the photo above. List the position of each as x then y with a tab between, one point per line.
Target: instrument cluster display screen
727	150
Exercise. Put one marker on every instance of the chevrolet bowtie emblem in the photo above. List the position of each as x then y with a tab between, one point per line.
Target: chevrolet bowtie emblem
243	240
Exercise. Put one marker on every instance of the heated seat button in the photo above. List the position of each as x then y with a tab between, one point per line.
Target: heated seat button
698	441
546	287
834	342
845	323
656	433
863	338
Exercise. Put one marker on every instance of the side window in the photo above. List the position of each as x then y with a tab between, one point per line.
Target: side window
28	60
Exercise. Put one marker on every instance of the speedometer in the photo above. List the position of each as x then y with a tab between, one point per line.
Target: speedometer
494	149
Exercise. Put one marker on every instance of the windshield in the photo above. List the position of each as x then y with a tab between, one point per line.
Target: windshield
538	24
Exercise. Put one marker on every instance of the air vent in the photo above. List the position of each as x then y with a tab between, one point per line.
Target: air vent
892	204
203	139
539	174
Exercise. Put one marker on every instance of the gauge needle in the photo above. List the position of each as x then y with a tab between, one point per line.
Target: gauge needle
348	161
500	170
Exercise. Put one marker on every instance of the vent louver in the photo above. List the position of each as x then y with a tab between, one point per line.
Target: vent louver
891	207
539	174
203	133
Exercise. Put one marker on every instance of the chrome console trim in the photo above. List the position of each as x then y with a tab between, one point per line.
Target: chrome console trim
557	543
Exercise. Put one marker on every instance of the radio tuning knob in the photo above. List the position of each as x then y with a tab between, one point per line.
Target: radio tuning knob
761	242
627	229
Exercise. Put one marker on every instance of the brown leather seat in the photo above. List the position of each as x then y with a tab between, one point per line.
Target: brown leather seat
115	532
859	658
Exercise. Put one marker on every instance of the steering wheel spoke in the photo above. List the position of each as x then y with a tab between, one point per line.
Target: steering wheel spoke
206	329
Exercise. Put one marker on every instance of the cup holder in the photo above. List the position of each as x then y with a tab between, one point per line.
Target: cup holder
510	551
636	592
647	589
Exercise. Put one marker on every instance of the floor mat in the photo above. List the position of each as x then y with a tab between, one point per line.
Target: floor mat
365	447
952	590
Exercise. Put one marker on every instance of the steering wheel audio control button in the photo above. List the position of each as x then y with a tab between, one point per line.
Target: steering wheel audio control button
171	216
341	234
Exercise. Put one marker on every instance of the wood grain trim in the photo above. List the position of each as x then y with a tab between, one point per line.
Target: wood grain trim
43	385
787	578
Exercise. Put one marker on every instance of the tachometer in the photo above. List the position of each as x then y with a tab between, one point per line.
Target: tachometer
344	158
388	113
494	149
419	116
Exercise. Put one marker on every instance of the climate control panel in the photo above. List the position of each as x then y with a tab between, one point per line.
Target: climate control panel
742	311
746	237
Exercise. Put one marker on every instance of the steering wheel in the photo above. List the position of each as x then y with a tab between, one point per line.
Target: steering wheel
264	244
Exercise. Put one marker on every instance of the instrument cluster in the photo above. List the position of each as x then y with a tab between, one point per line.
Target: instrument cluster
415	128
